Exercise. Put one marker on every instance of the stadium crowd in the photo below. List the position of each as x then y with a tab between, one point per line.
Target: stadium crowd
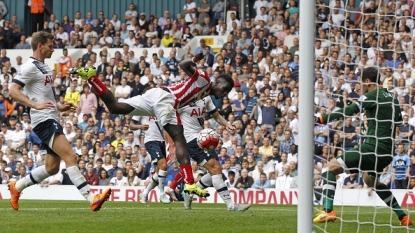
261	54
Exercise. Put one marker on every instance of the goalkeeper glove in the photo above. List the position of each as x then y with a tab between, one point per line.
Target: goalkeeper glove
319	120
86	73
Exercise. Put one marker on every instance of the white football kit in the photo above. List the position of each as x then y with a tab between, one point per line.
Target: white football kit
193	117
36	77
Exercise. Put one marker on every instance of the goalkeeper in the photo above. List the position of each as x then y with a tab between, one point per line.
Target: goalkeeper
384	115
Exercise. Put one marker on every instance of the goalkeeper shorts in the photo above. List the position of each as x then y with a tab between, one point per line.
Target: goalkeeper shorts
366	157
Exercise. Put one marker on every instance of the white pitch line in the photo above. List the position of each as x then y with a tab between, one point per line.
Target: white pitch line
173	207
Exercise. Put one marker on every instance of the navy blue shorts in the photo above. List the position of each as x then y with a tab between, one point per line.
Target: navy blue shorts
157	150
45	131
199	155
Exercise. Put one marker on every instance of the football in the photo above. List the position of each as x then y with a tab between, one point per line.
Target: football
208	139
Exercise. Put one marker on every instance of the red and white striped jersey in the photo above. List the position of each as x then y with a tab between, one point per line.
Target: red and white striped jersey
191	89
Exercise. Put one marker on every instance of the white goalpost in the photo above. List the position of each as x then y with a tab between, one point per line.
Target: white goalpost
306	122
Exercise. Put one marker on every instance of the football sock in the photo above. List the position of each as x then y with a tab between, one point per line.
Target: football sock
187	173
80	182
177	178
386	195
223	191
205	181
329	188
97	85
36	176
152	184
161	178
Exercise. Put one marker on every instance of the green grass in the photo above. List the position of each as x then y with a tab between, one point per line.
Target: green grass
71	216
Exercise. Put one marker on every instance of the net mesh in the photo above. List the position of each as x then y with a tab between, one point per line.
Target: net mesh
350	36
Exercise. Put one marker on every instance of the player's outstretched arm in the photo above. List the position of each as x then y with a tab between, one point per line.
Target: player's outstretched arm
341	113
15	91
218	118
188	65
102	91
134	126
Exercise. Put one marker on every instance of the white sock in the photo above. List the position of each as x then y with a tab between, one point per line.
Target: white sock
80	182
223	191
38	175
161	178
153	184
205	181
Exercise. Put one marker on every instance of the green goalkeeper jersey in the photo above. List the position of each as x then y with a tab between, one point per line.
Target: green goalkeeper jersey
383	116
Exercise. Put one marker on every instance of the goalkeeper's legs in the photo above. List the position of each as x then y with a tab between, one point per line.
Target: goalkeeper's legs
386	195
335	167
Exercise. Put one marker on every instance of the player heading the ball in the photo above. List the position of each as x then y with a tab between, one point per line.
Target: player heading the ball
163	103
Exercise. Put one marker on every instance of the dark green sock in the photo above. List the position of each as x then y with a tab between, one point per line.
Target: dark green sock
386	195
329	188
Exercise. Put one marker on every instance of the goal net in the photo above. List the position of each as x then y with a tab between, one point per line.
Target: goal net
350	36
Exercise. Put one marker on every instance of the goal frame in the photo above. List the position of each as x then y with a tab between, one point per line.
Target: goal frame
306	120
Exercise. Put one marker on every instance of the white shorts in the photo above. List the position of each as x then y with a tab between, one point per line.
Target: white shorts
155	102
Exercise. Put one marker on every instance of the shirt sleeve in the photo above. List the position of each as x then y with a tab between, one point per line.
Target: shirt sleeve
24	75
364	102
210	107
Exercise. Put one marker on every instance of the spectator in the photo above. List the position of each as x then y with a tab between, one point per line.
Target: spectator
195	169
90	176
262	183
30	166
353	181
189	9
112	171
385	176
293	169
245	181
259	169
218	10
400	171
279	168
231	181
23	44
118	180
17	139
284	181
130	14
132	178
104	180
22	173
406	132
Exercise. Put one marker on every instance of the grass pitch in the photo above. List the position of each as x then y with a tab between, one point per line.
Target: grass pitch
73	216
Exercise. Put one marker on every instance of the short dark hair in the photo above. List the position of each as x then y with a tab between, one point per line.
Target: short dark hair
227	78
372	74
40	38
